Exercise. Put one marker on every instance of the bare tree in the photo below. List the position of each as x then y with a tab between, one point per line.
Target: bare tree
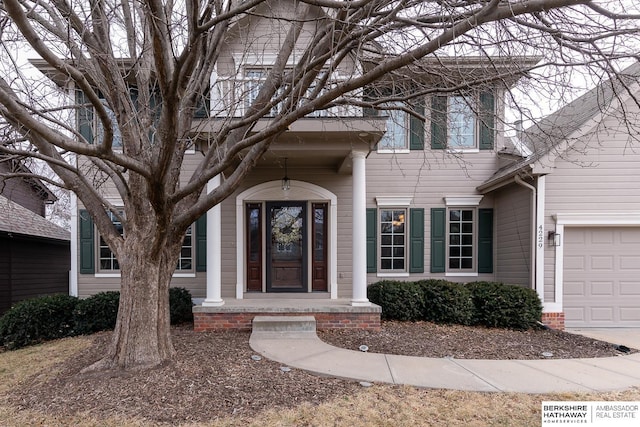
143	68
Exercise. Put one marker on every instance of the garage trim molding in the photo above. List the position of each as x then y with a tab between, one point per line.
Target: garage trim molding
600	219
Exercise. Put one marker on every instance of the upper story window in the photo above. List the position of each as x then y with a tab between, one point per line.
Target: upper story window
463	122
396	137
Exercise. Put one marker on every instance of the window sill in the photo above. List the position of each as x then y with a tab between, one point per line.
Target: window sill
398	274
461	274
463	150
117	275
394	151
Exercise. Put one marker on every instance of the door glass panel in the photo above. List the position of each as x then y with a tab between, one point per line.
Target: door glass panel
286	233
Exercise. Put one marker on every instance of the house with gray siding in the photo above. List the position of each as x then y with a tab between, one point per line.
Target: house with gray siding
569	213
350	196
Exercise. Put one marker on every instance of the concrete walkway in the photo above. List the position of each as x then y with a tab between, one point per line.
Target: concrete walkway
296	346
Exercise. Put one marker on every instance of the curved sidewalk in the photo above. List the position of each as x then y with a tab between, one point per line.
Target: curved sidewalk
304	350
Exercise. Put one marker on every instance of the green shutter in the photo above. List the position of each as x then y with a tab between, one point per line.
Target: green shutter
201	243
487	120
438	122
372	243
416	128
416	250
87	248
84	117
485	241
438	239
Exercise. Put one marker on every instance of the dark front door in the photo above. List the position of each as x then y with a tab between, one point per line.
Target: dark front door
286	247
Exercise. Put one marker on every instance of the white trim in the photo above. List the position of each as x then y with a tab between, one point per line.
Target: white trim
299	190
454	274
540	236
105	275
463	150
178	275
73	270
397	201
606	219
392	274
393	151
583	219
465	201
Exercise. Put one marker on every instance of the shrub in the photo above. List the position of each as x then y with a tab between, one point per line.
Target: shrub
505	306
446	302
399	300
96	313
36	320
180	306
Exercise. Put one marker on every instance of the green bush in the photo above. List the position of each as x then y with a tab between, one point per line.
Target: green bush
505	306
36	320
180	306
399	300
96	313
446	302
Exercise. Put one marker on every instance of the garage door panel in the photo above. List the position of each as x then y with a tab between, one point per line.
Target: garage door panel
630	314
574	288
601	288
629	262
601	284
629	288
602	263
574	263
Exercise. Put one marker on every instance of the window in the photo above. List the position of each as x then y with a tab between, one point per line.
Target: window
395	138
393	239
461	238
108	262
107	259
463	122
185	262
117	136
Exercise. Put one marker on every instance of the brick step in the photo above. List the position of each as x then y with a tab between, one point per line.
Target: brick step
284	324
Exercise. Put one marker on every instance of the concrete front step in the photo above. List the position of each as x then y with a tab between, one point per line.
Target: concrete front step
284	324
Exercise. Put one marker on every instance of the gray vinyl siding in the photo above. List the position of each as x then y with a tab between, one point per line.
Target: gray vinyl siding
512	210
428	176
599	175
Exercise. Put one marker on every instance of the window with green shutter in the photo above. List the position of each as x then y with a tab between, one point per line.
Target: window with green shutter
464	121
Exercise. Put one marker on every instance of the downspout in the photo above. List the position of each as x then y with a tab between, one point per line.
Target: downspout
534	197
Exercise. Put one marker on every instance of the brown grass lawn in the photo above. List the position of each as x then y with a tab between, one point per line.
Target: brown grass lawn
380	405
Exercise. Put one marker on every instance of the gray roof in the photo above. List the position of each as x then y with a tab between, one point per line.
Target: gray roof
545	135
18	220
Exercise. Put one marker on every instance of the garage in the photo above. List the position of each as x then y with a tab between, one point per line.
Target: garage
601	277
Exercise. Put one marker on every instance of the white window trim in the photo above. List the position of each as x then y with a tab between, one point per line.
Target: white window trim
118	275
472	272
391	274
394	201
463	201
379	269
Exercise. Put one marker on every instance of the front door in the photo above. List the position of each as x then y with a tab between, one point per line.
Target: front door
286	247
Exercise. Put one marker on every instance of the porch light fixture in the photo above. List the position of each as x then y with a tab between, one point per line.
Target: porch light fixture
286	183
553	238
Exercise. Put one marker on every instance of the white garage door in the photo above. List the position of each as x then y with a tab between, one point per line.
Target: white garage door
602	277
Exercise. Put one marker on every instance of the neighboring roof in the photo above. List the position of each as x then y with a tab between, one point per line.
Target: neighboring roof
18	220
38	186
546	135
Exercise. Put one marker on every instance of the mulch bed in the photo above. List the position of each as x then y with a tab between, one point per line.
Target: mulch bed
215	376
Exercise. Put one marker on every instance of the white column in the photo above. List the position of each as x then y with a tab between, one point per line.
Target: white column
359	216
540	236
214	251
73	272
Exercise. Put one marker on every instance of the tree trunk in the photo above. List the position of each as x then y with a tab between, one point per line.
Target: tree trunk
142	336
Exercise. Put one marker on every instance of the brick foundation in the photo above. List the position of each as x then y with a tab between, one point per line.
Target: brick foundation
553	320
324	320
